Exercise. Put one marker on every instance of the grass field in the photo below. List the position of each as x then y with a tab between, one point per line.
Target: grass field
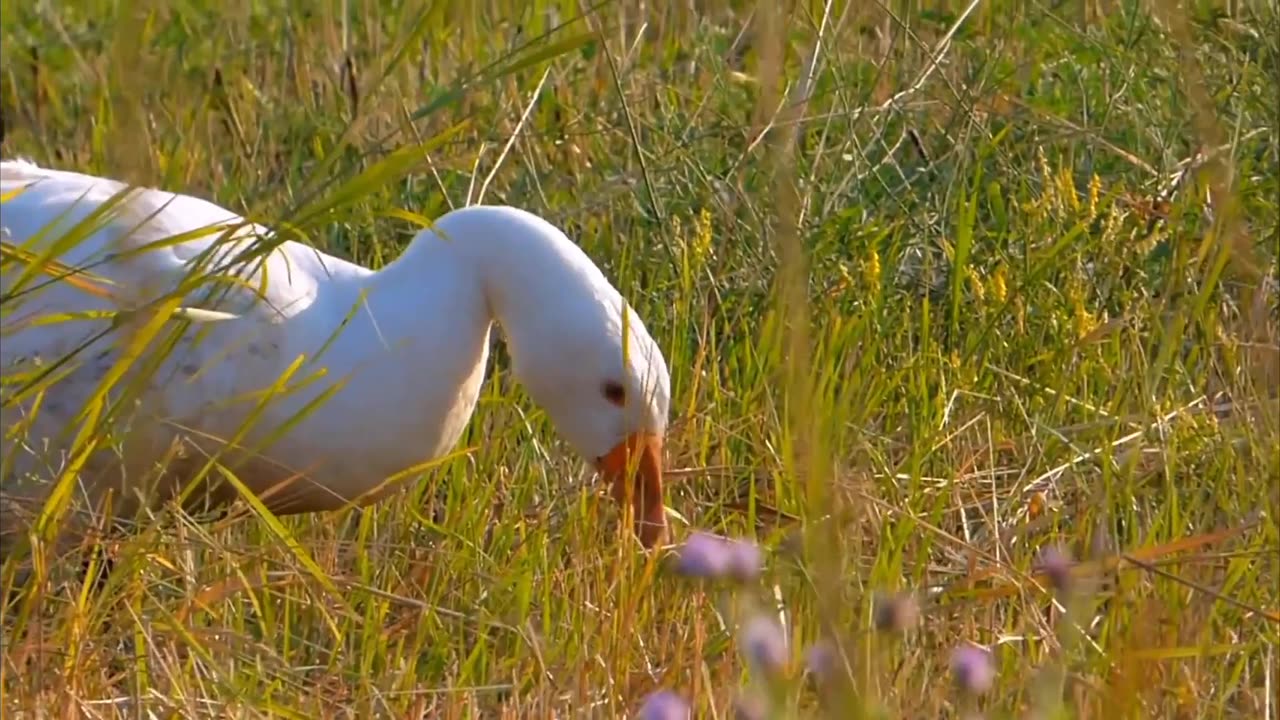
941	285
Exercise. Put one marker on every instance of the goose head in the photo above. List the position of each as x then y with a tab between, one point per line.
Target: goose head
581	352
607	401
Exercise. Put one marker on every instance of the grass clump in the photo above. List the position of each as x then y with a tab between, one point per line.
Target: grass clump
942	287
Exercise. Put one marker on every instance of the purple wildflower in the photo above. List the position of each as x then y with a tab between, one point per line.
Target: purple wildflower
744	560
703	555
820	658
664	705
764	645
1056	565
713	557
750	707
895	612
972	668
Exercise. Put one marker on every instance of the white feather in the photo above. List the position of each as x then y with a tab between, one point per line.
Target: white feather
404	371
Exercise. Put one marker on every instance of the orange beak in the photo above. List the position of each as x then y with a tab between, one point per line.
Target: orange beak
634	468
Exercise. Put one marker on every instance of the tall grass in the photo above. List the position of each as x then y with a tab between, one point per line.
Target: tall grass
943	286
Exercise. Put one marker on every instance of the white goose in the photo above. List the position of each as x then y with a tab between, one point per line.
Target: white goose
400	381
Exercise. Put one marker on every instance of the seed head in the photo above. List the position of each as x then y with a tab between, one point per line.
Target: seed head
1101	544
972	669
664	705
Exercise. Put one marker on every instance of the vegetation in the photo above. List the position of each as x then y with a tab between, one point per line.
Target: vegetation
969	307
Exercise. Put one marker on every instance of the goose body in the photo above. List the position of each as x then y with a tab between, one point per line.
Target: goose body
384	367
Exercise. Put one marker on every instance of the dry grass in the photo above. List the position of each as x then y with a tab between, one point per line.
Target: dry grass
941	286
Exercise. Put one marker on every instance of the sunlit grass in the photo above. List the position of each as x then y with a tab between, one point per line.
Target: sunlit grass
940	288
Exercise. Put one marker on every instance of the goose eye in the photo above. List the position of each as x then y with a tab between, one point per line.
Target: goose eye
615	393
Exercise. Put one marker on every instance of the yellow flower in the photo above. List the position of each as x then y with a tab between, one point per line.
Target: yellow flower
1048	192
975	283
702	236
1085	322
999	290
1067	188
871	269
1095	186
